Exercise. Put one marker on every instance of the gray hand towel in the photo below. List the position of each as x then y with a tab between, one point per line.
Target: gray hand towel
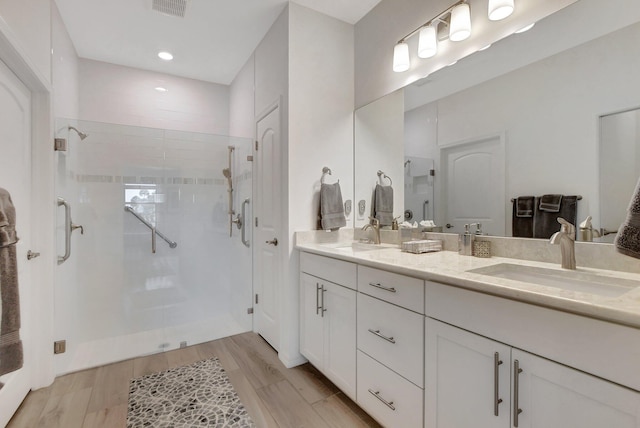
550	203
524	206
545	221
383	204
627	240
522	218
11	357
331	207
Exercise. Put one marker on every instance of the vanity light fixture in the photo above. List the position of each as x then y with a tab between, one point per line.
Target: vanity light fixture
167	56
460	26
527	28
458	18
500	9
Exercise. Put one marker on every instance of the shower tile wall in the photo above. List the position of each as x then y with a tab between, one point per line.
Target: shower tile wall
140	302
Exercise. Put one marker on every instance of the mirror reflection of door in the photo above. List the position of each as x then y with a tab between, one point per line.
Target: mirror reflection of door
619	168
419	176
474	185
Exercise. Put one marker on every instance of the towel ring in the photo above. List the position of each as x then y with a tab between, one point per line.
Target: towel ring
325	171
382	175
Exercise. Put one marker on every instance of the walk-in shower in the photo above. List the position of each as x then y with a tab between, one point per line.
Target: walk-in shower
124	293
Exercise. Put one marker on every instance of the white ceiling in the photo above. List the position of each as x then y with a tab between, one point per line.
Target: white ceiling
211	43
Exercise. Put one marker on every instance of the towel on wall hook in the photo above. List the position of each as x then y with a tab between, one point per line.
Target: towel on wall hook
331	206
11	356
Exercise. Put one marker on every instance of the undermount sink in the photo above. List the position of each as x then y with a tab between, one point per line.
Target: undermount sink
359	246
584	282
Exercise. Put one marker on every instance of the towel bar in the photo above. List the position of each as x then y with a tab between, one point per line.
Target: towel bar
382	175
579	198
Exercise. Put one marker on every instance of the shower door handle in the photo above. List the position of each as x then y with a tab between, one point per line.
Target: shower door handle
273	242
69	227
245	241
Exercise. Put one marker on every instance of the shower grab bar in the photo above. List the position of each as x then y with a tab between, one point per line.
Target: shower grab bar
69	227
244	223
154	231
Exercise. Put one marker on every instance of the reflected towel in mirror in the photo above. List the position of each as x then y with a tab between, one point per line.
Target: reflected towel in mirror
383	204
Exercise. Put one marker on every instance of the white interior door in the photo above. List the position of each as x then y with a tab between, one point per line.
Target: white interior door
15	177
474	185
267	255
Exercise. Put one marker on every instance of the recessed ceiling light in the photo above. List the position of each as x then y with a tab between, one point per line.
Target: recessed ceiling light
161	89
484	48
527	28
453	63
165	56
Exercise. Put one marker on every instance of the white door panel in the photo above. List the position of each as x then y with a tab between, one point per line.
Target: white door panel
474	183
267	274
15	177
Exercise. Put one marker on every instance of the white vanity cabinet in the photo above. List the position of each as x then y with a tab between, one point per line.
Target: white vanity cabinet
391	347
328	318
472	381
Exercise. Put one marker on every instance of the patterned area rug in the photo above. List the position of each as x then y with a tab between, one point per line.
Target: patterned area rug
198	395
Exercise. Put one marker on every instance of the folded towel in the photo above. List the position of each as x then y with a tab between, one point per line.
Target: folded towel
383	204
524	206
331	207
550	203
545	222
627	240
11	357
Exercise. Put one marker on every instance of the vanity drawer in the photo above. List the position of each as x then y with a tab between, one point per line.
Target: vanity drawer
336	271
404	400
393	336
397	289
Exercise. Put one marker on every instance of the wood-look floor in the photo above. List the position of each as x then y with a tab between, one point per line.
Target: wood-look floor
274	395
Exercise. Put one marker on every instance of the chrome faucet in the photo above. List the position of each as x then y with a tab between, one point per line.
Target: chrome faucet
566	237
375	225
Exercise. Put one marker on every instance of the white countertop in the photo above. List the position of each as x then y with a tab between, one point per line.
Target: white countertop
451	268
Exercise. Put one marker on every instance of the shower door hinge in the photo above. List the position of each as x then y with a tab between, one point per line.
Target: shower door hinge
256	221
59	347
249	158
249	311
256	144
256	298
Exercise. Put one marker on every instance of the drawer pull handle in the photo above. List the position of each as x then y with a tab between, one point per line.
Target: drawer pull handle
382	287
376	394
382	336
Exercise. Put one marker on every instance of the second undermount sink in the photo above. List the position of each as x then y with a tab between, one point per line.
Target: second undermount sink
359	246
584	282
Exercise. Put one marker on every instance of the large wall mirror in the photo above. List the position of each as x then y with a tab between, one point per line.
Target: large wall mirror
562	125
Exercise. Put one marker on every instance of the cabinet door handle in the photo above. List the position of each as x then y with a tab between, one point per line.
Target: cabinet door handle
382	287
516	392
382	336
376	394
318	307
324	290
496	380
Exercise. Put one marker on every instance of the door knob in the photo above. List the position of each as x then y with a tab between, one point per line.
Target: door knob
273	242
448	225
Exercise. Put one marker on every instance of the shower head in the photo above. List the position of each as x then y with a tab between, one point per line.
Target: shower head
82	135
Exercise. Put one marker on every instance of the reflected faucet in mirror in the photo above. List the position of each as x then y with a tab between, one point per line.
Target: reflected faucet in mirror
566	239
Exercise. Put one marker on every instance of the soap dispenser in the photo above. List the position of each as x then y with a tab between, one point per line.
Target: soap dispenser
465	242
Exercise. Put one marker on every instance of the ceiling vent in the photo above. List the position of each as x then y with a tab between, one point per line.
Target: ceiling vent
170	7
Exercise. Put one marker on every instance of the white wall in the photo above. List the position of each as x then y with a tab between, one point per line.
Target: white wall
64	69
30	22
122	95
549	111
320	134
241	100
379	31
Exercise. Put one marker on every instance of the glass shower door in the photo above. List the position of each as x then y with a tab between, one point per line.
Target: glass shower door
123	293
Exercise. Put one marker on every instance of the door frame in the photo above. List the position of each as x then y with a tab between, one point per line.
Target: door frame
39	319
441	184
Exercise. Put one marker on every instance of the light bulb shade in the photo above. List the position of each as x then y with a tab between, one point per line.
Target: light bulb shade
460	27
427	42
401	60
500	9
